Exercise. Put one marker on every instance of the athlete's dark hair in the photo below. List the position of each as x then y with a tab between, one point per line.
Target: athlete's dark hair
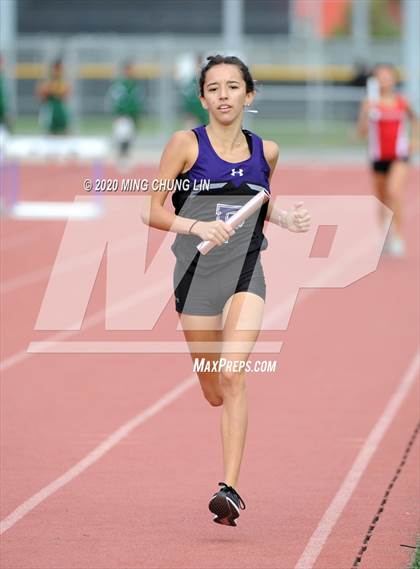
213	60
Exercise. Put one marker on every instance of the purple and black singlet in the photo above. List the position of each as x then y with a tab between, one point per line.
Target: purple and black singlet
216	189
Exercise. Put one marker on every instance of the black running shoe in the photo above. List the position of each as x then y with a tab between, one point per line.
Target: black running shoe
225	504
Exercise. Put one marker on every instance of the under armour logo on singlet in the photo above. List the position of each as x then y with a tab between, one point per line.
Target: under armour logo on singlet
240	172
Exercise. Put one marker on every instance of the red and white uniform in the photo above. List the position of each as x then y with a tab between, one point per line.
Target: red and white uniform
388	137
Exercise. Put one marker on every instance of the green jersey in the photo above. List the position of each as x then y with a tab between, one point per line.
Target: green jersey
125	97
3	107
54	115
192	104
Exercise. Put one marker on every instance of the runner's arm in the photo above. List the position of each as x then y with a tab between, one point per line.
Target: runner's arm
180	151
294	219
414	129
362	121
172	163
271	153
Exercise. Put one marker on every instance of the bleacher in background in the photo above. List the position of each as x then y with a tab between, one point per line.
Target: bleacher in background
302	76
146	16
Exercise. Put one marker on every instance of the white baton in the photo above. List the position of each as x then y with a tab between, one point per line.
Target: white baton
246	211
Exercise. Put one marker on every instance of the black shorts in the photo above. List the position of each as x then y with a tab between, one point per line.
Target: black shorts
206	295
383	166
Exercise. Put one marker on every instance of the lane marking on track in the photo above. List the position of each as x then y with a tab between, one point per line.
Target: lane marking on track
64	267
319	537
18	239
43	494
97	453
172	395
90	322
26	279
92	457
97	317
150	347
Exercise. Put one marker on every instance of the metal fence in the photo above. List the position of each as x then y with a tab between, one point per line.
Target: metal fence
296	76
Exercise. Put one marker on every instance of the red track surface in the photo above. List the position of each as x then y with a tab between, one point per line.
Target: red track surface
144	503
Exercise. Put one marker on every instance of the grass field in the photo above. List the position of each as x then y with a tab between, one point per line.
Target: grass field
416	560
293	133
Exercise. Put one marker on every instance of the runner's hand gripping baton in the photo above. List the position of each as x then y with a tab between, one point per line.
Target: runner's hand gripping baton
246	211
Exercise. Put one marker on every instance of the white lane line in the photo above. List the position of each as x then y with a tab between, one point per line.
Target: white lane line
317	541
36	499
93	320
107	444
96	453
152	347
60	268
24	280
97	317
18	239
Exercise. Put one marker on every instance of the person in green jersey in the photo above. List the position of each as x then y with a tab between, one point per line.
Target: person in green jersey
195	113
53	93
4	113
126	106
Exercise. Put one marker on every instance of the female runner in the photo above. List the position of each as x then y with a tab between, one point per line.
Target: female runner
213	291
385	121
53	93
